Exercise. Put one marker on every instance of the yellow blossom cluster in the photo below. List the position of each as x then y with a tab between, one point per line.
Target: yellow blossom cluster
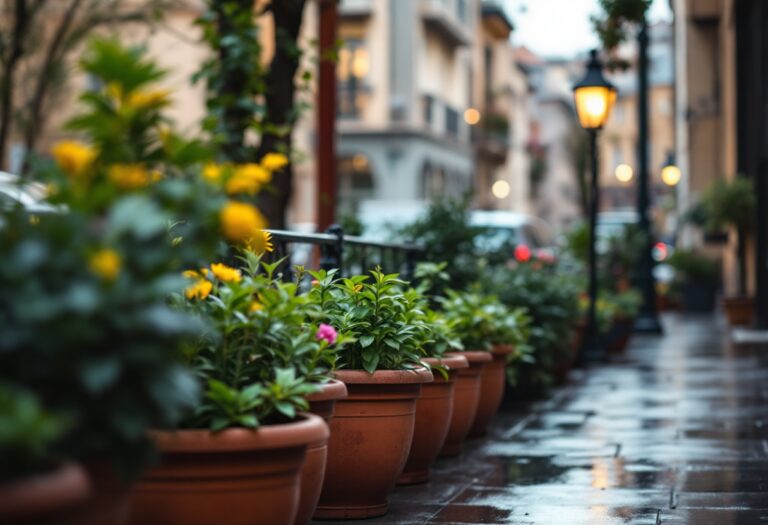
105	263
225	273
248	178
74	158
132	176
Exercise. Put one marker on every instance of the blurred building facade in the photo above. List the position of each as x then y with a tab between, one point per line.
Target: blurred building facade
721	125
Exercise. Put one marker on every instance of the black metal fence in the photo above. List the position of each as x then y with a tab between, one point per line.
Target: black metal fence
349	254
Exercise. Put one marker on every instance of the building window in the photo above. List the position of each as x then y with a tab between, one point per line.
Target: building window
429	104
451	122
461	9
352	68
355	181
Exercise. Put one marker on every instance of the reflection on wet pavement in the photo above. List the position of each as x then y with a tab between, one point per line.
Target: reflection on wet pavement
676	432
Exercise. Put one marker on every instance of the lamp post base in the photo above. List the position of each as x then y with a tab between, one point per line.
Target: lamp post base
648	324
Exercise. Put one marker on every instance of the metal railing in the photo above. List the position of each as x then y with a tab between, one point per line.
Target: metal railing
348	254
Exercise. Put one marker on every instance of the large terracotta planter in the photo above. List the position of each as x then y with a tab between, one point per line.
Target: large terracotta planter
371	433
493	379
466	395
321	403
620	334
237	476
433	417
42	498
739	310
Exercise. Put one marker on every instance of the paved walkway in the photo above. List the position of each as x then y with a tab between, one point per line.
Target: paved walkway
676	433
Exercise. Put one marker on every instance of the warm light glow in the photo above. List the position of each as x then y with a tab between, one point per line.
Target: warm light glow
624	172
471	116
522	253
500	189
360	63
671	175
593	105
360	162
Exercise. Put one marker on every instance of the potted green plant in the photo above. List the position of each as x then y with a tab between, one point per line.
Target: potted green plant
625	305
731	205
371	437
93	338
242	452
696	280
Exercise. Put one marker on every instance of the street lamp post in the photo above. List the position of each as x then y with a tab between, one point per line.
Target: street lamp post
594	97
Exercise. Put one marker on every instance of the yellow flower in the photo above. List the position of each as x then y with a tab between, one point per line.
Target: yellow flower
74	157
357	288
241	222
247	178
212	172
274	161
254	171
261	243
225	273
131	176
149	99
191	274
105	263
255	306
199	290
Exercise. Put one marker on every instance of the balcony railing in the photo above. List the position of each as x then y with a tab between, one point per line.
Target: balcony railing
351	255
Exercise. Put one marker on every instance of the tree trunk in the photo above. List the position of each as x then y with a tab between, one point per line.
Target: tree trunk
280	105
22	18
35	121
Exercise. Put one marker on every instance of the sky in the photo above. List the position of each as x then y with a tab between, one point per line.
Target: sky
561	28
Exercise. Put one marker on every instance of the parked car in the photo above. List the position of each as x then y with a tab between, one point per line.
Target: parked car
525	233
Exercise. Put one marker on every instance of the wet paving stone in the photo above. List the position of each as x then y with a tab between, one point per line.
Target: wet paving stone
675	432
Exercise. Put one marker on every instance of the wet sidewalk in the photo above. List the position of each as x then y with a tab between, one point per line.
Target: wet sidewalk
674	433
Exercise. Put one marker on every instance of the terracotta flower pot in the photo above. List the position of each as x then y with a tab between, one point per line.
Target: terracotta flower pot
108	501
466	395
620	334
371	433
493	379
433	417
41	498
237	476
739	310
321	403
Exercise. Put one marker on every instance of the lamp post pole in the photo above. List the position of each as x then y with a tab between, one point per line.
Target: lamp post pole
647	320
592	350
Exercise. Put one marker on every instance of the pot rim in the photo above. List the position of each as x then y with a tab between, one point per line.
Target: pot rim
386	377
452	362
503	349
475	356
65	483
330	391
306	429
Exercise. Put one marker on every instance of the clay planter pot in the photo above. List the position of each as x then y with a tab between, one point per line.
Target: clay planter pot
620	334
433	417
237	476
41	498
492	382
371	433
738	310
466	395
321	403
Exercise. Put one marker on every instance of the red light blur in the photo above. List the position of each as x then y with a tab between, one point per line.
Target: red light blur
522	253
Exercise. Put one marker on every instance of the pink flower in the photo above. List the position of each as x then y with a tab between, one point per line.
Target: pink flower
327	332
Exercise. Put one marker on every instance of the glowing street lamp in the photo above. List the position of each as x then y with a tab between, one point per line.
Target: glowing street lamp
594	97
624	173
670	173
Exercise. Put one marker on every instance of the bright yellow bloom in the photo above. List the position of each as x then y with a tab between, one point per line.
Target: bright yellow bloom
254	171
241	222
212	172
131	176
261	243
225	273
191	274
255	306
274	161
149	99
74	157
105	263
199	290
247	178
